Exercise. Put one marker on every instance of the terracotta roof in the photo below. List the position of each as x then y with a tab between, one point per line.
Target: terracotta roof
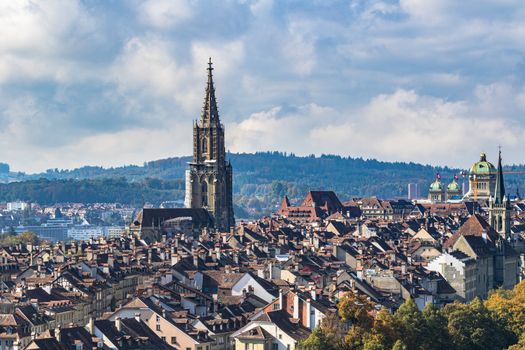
474	226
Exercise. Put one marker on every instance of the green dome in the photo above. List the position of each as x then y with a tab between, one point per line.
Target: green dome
436	186
453	186
483	166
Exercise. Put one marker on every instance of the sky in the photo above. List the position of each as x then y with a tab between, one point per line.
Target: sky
120	82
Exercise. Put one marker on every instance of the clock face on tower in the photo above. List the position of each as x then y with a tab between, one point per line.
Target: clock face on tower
209	179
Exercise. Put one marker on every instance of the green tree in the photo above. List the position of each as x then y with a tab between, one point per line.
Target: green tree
410	324
373	341
318	340
474	327
399	345
436	335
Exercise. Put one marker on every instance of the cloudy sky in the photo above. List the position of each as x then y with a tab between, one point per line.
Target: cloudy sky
119	82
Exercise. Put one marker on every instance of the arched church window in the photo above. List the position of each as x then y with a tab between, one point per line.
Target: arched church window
204	145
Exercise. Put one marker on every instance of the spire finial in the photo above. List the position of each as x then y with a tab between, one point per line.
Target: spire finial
210	68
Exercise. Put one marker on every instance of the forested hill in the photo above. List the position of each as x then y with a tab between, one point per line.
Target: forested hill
260	180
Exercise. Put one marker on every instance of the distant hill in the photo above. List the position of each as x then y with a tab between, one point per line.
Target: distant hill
260	180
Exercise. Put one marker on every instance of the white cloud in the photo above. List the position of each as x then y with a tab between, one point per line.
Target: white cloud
367	77
165	13
399	126
37	41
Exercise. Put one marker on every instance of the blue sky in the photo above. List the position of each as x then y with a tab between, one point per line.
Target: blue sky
119	82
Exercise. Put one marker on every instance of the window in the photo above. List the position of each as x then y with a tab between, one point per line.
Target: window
280	336
163	339
158	318
275	346
174	340
158	327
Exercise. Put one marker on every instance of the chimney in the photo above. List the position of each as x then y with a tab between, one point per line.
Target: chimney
118	323
313	293
149	255
195	259
91	326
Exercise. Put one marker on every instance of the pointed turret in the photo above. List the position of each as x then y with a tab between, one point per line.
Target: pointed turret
499	191
210	114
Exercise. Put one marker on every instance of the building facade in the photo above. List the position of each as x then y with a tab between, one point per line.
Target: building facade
481	180
209	179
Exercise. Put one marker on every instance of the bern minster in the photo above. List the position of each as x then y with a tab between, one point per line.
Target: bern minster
209	179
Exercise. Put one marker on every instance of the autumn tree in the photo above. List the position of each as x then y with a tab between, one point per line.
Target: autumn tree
356	309
509	306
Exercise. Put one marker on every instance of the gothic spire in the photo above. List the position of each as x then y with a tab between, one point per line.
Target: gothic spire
499	191
210	113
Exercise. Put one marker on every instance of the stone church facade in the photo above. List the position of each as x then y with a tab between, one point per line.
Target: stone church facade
209	179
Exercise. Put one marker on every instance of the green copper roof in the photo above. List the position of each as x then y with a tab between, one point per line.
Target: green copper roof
453	186
436	186
483	166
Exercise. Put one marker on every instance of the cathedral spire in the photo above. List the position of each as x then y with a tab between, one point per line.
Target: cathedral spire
499	191
210	114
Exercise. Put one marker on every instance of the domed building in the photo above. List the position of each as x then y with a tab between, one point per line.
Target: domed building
439	192
454	190
436	191
481	180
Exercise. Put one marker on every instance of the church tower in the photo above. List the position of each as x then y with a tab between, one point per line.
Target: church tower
499	206
209	179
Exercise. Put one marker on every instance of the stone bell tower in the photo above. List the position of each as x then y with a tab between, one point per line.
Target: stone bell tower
499	206
209	179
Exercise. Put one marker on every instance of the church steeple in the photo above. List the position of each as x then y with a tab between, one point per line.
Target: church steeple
209	179
210	113
499	191
499	206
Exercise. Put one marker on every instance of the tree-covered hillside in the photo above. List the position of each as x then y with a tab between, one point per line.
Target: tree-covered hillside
260	180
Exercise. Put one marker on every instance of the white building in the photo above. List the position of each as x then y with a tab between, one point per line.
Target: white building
84	232
459	270
113	231
16	206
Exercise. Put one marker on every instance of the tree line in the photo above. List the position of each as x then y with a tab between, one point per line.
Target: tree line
495	324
